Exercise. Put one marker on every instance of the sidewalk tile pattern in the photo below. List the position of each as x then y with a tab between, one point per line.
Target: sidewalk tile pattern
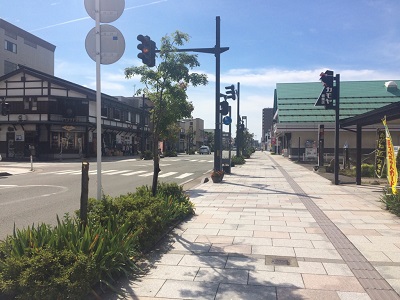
274	229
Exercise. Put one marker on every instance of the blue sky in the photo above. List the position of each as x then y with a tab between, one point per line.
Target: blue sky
270	41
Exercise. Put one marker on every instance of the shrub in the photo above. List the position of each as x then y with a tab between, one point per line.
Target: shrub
69	256
367	170
147	155
66	261
148	215
170	153
392	202
238	160
45	273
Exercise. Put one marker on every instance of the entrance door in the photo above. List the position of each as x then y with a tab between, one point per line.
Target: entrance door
10	144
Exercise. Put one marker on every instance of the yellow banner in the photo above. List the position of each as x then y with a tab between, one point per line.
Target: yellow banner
391	160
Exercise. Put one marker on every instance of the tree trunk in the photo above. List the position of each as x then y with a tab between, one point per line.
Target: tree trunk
156	166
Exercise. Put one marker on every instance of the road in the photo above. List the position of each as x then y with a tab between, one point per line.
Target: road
54	188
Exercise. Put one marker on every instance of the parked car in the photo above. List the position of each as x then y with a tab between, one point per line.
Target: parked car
204	150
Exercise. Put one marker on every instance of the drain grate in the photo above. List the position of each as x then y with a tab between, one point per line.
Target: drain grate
280	262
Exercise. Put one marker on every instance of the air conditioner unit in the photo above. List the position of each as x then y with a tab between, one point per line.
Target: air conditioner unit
22	118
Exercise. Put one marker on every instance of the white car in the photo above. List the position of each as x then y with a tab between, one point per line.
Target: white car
204	150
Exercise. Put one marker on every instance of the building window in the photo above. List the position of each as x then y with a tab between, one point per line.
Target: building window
117	114
34	103
30	103
129	116
104	112
27	105
137	119
9	67
9	46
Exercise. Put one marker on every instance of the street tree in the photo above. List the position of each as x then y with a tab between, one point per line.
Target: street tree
166	86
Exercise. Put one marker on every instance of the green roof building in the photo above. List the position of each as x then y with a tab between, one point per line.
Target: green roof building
297	119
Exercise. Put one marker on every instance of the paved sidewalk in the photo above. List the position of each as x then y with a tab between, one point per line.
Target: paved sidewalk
276	230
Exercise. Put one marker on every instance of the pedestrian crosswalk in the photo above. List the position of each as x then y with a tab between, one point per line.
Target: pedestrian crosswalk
141	173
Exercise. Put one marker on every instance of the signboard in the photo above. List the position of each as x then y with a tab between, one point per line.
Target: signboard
68	128
325	98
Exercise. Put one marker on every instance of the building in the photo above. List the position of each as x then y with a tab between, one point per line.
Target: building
191	136
53	118
297	120
267	118
24	48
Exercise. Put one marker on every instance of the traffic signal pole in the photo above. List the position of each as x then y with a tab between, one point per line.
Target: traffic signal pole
217	50
218	134
337	100
238	122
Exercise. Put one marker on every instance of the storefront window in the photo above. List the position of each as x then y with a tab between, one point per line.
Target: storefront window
67	142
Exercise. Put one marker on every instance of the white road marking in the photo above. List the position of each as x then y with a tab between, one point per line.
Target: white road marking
167	174
117	172
133	173
184	175
146	175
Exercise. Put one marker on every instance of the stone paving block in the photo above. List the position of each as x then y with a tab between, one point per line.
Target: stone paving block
339	269
253	227
180	272
278	279
188	290
252	241
333	283
317	253
271	234
322	245
144	287
216	261
229	232
215	275
301	294
211	239
184	245
292	243
221	226
303	267
253	292
353	296
166	259
271	250
376	256
393	256
248	263
229	248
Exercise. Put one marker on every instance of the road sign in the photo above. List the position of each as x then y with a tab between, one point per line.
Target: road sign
112	44
227	120
110	10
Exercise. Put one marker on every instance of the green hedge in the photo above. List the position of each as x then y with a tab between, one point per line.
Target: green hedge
238	160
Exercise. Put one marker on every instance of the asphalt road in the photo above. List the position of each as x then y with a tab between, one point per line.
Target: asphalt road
55	188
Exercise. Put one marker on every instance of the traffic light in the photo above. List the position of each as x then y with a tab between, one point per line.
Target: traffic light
230	92
327	78
147	48
224	108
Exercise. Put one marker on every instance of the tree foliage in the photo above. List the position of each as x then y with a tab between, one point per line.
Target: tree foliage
166	86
